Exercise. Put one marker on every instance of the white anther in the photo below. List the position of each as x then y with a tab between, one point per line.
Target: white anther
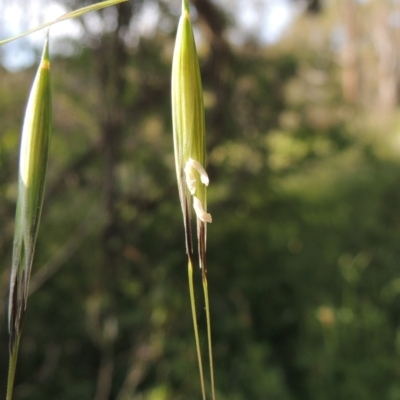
201	214
190	177
190	167
203	174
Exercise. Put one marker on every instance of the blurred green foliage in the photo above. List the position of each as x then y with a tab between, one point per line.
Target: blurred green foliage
303	251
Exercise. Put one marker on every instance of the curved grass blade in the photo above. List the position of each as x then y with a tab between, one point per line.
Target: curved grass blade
35	144
72	14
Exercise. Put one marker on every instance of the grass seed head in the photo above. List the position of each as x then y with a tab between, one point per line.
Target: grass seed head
189	129
35	144
189	145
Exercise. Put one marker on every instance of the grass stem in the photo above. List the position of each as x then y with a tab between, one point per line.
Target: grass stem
196	332
12	367
210	352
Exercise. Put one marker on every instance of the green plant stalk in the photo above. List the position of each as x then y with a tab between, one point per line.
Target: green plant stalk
72	14
210	352
196	331
12	368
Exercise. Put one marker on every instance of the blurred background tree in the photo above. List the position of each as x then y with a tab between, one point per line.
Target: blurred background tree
304	159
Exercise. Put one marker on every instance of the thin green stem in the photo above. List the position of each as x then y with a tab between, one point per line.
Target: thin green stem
12	367
196	332
210	352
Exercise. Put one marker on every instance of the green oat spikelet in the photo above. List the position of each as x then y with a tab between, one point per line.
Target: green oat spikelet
34	150
189	132
189	146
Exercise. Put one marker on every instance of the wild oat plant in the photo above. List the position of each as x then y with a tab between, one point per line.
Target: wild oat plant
189	146
190	159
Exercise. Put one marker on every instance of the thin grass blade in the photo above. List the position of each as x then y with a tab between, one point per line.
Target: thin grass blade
72	14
